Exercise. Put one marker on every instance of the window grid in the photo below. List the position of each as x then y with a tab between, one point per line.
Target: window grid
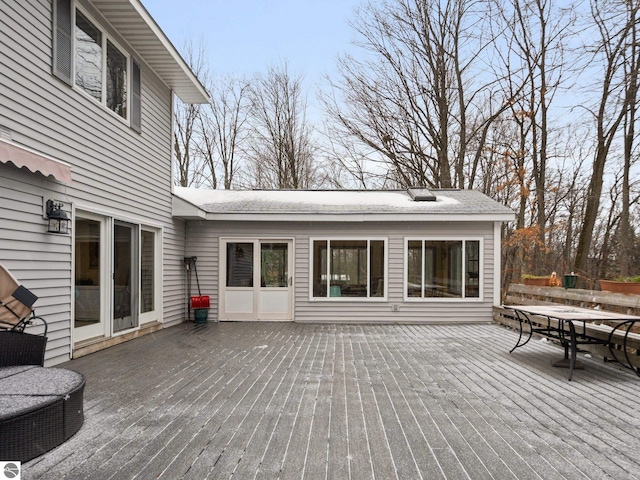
459	259
332	280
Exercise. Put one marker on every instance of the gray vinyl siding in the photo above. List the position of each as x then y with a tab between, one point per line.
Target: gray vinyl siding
203	241
40	261
173	281
116	171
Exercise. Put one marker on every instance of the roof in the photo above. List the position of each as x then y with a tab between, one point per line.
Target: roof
137	26
331	205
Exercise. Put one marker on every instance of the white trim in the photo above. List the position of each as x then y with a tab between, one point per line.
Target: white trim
497	263
117	214
153	315
172	145
368	298
424	217
105	279
166	43
443	238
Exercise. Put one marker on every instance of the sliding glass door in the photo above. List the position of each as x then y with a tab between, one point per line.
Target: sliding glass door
117	280
90	278
125	276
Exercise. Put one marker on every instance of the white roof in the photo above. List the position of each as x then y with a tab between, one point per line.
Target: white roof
335	205
138	28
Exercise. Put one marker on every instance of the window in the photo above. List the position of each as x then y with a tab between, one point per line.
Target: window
88	57
116	80
85	57
147	270
239	264
443	269
348	268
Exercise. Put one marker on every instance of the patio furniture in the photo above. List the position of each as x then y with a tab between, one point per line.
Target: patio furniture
16	313
16	304
571	326
40	408
19	348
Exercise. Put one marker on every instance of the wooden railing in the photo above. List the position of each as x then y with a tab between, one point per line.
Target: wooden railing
519	294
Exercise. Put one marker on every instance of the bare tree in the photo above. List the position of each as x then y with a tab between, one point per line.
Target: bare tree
190	170
625	234
615	22
281	149
536	32
223	129
422	100
184	143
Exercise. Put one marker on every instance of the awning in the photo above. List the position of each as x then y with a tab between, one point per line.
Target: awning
34	162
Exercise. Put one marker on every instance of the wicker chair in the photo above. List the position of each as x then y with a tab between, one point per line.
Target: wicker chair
16	313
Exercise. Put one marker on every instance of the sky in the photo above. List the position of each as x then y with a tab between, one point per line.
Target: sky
244	37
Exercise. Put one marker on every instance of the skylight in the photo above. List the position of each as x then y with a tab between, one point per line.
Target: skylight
421	195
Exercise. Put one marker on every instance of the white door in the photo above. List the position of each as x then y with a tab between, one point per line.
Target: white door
91	276
256	279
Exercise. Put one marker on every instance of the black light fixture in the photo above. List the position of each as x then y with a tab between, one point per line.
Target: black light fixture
58	220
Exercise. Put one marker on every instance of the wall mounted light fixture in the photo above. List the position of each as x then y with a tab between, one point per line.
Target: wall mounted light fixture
58	220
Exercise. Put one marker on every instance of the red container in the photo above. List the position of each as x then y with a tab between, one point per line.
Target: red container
200	301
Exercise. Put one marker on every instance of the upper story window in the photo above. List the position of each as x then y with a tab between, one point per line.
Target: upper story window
88	57
94	63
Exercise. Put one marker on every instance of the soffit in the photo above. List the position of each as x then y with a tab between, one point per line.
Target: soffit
131	19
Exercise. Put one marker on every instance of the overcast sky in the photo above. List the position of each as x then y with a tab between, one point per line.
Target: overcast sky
246	36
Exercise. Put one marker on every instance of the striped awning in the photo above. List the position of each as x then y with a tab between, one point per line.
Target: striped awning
34	162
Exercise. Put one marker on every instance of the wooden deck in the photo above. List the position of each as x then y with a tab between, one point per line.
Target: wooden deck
283	400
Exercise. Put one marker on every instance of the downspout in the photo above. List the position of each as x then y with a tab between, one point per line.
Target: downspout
173	139
497	260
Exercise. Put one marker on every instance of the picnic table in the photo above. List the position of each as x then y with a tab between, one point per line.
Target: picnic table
572	326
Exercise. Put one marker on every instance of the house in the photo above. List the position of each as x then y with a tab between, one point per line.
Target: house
414	256
90	223
86	109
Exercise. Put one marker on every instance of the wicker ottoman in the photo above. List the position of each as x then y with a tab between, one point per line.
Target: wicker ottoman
40	408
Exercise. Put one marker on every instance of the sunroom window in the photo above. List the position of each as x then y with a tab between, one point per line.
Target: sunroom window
348	268
443	268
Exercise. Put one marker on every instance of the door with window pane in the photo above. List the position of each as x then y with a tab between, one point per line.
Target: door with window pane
90	274
256	280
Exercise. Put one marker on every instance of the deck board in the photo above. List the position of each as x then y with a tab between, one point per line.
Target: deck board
283	400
